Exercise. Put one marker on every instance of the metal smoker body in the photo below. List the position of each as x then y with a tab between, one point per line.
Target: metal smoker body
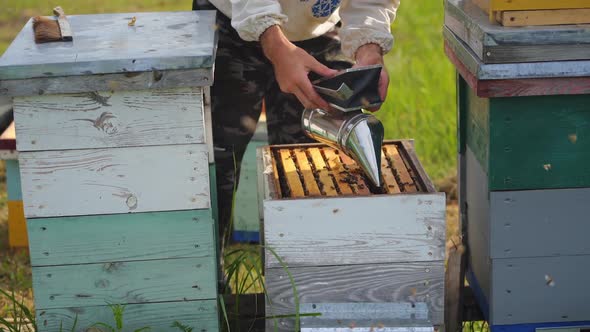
357	134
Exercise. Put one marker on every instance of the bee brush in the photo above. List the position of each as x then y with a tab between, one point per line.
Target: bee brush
50	30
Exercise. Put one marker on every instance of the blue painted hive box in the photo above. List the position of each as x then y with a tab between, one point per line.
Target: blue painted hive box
115	152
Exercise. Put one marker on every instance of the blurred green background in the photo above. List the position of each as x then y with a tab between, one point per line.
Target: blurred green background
421	98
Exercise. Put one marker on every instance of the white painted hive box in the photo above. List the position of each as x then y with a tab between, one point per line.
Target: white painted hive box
359	256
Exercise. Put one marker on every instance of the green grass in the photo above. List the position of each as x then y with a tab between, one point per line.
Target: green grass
420	103
421	98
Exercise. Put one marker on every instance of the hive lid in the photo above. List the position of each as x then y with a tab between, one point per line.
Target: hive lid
106	44
494	43
513	71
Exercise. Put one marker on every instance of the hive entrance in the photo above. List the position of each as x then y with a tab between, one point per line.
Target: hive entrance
318	170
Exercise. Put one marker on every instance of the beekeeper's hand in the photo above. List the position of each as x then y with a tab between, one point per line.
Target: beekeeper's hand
371	54
292	66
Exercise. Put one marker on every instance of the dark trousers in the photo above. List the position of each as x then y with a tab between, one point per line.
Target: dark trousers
243	77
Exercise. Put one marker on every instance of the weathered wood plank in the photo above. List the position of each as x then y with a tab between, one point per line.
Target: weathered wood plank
516	70
328	185
109	119
558	217
153	79
208	123
545	17
181	279
335	164
530	143
390	183
519	87
501	5
418	283
17	226
295	186
360	187
305	169
559	284
422	180
493	43
400	168
538	143
373	229
201	315
454	283
107	181
104	44
121	237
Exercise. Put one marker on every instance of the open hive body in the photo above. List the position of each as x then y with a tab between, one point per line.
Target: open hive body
360	257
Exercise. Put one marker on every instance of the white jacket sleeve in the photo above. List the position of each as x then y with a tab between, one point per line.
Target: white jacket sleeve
251	18
365	22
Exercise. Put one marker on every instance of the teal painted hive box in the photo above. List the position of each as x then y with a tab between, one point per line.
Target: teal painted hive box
115	153
524	150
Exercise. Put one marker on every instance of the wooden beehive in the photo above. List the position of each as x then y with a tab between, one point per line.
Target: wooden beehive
348	244
523	176
114	148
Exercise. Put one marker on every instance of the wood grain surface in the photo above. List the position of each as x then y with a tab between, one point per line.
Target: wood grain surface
291	174
493	43
401	169
121	237
389	182
307	173
328	185
105	43
107	181
349	230
515	70
109	119
520	18
418	282
200	315
152	79
181	279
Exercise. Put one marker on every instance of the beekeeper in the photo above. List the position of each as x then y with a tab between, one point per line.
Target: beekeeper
268	49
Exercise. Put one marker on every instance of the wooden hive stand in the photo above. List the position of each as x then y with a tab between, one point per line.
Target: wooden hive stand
115	153
361	256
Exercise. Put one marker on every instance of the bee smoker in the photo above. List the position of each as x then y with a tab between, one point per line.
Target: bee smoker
359	135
